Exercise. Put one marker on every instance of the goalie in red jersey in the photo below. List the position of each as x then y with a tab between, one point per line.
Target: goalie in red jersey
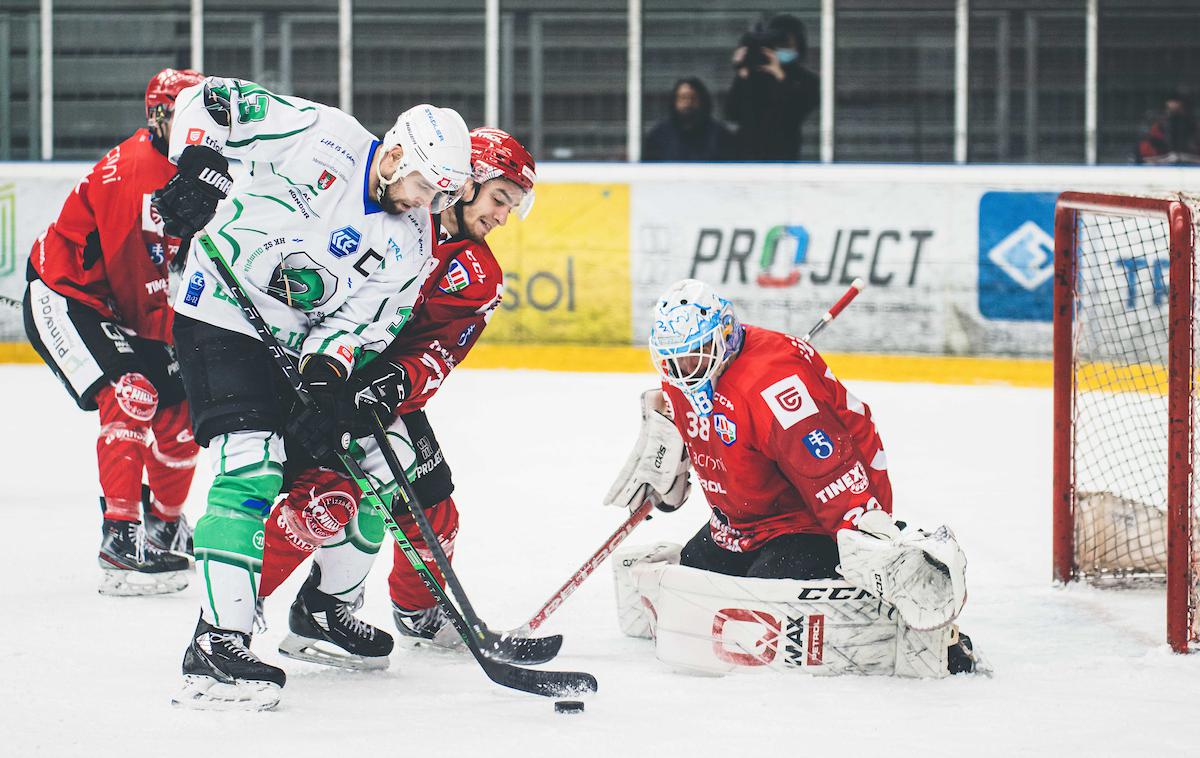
320	514
789	460
97	312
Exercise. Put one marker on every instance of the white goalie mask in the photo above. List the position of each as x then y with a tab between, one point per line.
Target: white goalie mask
695	335
437	146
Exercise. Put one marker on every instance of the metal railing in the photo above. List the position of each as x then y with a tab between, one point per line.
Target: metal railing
960	81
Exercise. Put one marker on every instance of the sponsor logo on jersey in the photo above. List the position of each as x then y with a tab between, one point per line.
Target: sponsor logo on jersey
722	400
325	180
156	285
194	289
344	241
466	335
726	429
855	480
195	136
704	460
818	444
790	401
346	353
425	448
708	485
457	277
158	254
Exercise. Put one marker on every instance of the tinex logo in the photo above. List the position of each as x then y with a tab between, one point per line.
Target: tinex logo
1026	255
1016	256
344	241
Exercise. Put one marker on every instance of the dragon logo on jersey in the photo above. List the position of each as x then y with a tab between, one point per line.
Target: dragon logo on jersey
456	278
726	429
344	241
299	282
818	444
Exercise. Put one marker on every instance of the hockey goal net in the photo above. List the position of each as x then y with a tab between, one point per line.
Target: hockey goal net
1125	397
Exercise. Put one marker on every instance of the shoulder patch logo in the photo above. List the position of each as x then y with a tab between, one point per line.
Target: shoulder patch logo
325	180
344	241
790	401
726	429
456	278
818	444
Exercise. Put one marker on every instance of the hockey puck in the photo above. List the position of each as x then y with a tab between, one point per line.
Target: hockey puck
568	706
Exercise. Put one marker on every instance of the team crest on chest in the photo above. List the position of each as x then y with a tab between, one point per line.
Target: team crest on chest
456	278
325	180
725	429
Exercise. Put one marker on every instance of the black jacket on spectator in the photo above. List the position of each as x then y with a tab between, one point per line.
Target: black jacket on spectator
698	138
768	112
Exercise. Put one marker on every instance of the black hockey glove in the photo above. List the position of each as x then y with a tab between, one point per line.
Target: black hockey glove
189	201
322	429
378	388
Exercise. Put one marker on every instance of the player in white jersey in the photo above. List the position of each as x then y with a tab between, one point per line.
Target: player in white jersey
329	233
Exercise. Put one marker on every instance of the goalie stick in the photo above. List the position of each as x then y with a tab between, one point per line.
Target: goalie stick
545	683
643	511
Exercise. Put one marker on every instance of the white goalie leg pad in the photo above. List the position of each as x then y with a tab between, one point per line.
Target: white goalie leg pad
633	615
922	574
713	624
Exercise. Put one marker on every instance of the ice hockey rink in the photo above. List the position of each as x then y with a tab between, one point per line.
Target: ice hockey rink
1078	671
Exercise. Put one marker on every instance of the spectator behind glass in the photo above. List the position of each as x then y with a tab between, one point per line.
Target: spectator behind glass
689	132
773	92
1172	137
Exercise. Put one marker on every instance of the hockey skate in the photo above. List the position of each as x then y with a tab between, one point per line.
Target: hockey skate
323	630
165	535
220	673
962	657
131	566
428	626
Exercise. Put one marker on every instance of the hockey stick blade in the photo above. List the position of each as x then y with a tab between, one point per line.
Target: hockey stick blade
536	682
510	648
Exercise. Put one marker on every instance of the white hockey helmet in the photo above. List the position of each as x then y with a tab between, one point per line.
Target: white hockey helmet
436	145
694	336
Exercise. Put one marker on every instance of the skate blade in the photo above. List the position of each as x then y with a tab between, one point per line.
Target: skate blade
328	654
124	583
439	646
203	693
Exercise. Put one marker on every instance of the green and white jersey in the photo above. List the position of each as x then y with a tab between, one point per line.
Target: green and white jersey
329	270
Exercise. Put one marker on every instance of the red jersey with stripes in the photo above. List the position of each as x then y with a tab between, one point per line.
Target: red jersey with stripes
107	248
787	449
455	304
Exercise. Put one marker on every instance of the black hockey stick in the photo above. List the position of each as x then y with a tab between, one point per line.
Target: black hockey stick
497	647
545	683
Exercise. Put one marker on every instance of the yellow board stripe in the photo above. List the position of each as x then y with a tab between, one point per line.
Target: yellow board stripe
884	368
591	358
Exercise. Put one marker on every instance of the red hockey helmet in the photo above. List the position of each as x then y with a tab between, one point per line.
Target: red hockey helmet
497	154
165	86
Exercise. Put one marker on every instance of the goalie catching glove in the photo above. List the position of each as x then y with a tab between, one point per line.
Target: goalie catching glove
922	574
658	465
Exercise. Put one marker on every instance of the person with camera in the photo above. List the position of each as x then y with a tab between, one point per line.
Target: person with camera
772	91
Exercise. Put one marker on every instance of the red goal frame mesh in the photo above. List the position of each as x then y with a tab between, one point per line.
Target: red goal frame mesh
1150	222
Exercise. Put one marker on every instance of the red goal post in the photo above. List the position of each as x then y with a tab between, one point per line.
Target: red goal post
1125	396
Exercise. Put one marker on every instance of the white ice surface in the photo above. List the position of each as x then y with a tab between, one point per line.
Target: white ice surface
1079	672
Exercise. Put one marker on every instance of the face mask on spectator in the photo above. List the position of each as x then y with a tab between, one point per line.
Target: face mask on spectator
785	55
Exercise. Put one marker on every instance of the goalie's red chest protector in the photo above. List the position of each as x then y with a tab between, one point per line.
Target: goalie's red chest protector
787	449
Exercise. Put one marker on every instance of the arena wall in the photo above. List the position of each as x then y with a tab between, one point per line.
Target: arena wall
958	259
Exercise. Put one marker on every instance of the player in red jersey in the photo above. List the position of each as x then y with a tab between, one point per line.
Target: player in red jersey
789	461
97	311
321	509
